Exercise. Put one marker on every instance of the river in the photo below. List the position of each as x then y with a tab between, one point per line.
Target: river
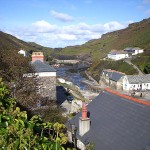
75	77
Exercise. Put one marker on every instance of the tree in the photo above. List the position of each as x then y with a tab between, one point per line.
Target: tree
18	132
147	68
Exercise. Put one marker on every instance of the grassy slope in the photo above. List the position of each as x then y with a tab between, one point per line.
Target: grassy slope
120	65
9	42
137	34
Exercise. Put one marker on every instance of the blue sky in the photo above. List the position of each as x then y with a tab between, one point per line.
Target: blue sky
60	23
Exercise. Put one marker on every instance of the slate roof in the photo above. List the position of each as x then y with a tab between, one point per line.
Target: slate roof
113	75
132	48
117	123
42	67
115	52
137	79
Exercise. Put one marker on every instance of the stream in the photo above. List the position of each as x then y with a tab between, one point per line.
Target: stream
74	77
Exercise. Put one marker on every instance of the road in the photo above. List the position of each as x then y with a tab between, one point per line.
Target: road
134	66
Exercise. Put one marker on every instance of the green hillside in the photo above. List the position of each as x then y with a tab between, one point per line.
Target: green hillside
136	34
9	42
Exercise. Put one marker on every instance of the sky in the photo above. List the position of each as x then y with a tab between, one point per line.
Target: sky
61	23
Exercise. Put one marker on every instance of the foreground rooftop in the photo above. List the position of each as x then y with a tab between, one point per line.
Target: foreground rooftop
118	122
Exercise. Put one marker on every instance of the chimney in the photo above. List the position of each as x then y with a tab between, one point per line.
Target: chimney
84	121
37	56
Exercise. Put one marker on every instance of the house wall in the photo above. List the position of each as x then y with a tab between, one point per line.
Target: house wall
47	87
120	84
46	84
69	136
113	84
127	86
80	145
141	51
117	56
23	53
138	51
104	80
46	74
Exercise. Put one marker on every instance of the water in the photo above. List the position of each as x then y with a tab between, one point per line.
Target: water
75	78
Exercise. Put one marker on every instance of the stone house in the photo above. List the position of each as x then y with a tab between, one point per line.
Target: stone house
45	75
112	121
136	82
117	55
112	78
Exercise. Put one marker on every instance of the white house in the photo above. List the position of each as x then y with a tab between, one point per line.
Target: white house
133	50
45	77
117	55
23	52
112	78
136	82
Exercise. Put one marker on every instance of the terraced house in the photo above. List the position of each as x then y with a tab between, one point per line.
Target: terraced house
112	121
136	82
112	78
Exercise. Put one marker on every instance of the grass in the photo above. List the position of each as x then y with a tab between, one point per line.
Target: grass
137	34
120	65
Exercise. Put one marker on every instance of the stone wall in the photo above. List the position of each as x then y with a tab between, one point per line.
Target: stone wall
47	87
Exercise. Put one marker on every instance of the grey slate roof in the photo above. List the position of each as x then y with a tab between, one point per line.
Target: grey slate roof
115	52
42	67
137	79
116	123
113	75
132	48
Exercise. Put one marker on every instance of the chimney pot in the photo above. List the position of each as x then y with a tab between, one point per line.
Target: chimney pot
84	121
37	56
84	111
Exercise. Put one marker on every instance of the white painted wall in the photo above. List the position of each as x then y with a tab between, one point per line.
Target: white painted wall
80	145
138	51
41	74
117	56
46	74
127	86
22	52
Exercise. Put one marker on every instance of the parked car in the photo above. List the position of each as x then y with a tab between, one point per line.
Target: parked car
69	98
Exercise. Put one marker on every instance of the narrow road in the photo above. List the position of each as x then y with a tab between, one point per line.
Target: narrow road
134	66
91	78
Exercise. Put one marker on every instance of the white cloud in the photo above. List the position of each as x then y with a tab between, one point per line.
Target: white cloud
146	1
43	26
61	16
46	34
